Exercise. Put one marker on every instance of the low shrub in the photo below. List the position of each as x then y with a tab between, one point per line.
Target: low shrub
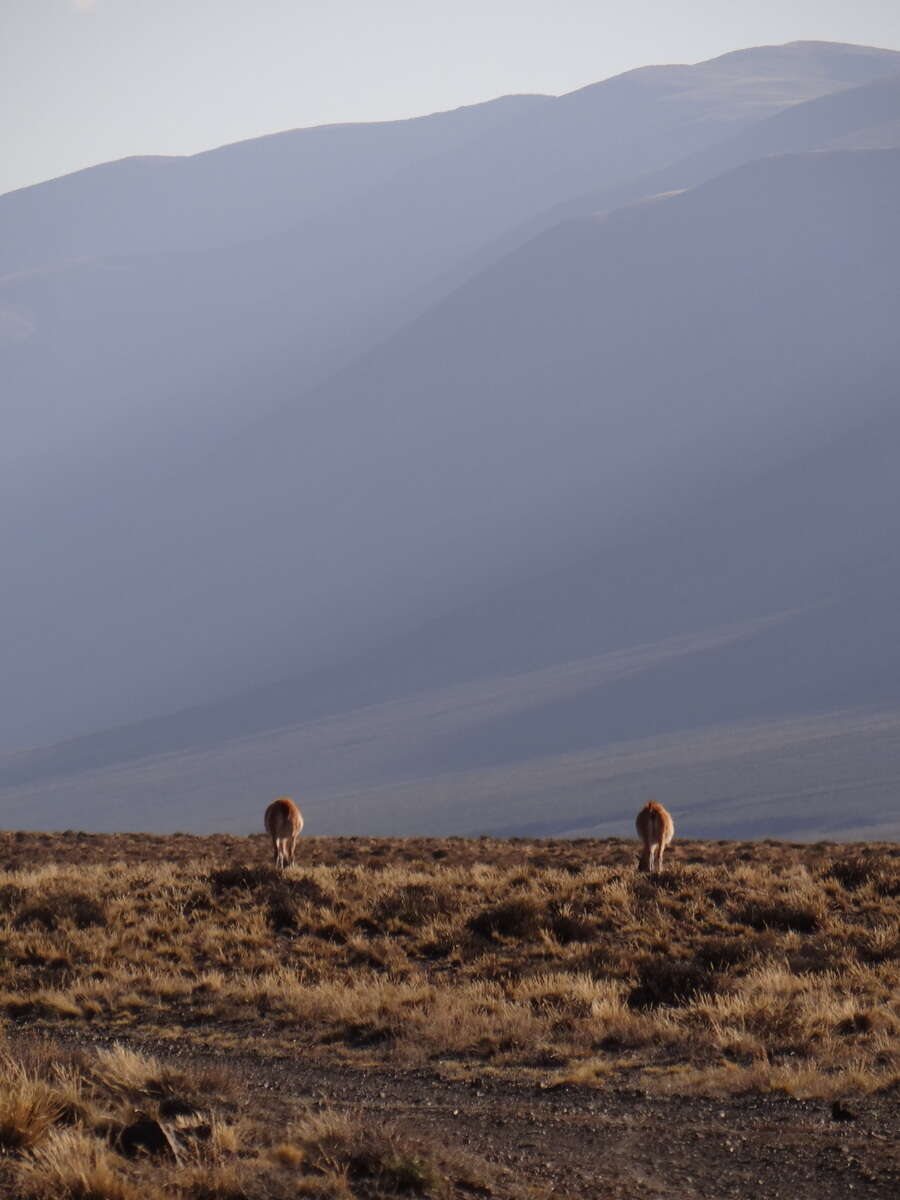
10	897
568	926
722	953
250	879
56	908
662	981
413	905
519	919
862	870
781	916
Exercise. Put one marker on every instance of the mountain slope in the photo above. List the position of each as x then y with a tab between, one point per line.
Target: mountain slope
242	192
252	189
866	117
154	353
691	401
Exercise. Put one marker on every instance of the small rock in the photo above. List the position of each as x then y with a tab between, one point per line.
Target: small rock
840	1112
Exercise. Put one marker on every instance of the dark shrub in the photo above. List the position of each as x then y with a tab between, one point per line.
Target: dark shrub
199	901
396	1173
412	905
721	953
378	1164
10	897
440	947
227	879
818	954
364	925
869	949
361	1034
860	1022
306	888
671	880
329	932
662	981
570	927
605	957
782	916
513	919
282	911
56	908
288	900
861	870
851	873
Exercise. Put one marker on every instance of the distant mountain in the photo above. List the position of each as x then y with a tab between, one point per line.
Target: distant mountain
641	473
251	190
122	329
151	305
244	192
866	117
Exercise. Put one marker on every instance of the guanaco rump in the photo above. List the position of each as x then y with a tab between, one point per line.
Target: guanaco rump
655	829
283	825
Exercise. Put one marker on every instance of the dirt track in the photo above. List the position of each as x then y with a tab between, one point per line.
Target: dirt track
577	1141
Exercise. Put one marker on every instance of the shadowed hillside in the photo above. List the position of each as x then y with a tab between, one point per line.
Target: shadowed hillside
238	193
733	489
153	304
866	117
629	485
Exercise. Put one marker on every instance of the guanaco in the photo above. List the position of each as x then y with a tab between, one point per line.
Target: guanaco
283	824
655	829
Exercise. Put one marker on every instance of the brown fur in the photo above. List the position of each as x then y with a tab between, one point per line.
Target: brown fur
655	829
283	824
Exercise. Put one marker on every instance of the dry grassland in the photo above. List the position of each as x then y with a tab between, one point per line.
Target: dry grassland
742	968
116	1125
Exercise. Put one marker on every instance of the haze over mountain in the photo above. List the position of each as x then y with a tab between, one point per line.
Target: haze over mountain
154	353
628	488
866	117
248	190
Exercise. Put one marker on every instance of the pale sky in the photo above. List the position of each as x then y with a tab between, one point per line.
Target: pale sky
86	81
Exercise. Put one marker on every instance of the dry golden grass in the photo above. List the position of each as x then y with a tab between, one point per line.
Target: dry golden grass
743	966
219	1151
28	1108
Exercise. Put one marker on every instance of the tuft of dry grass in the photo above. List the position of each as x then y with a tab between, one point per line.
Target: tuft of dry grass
71	1165
28	1108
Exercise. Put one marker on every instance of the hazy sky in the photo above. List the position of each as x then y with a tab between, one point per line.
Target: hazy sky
85	81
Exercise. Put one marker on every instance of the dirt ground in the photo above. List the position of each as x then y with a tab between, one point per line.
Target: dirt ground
575	1141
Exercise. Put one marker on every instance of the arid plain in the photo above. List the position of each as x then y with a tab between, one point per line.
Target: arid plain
446	1017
